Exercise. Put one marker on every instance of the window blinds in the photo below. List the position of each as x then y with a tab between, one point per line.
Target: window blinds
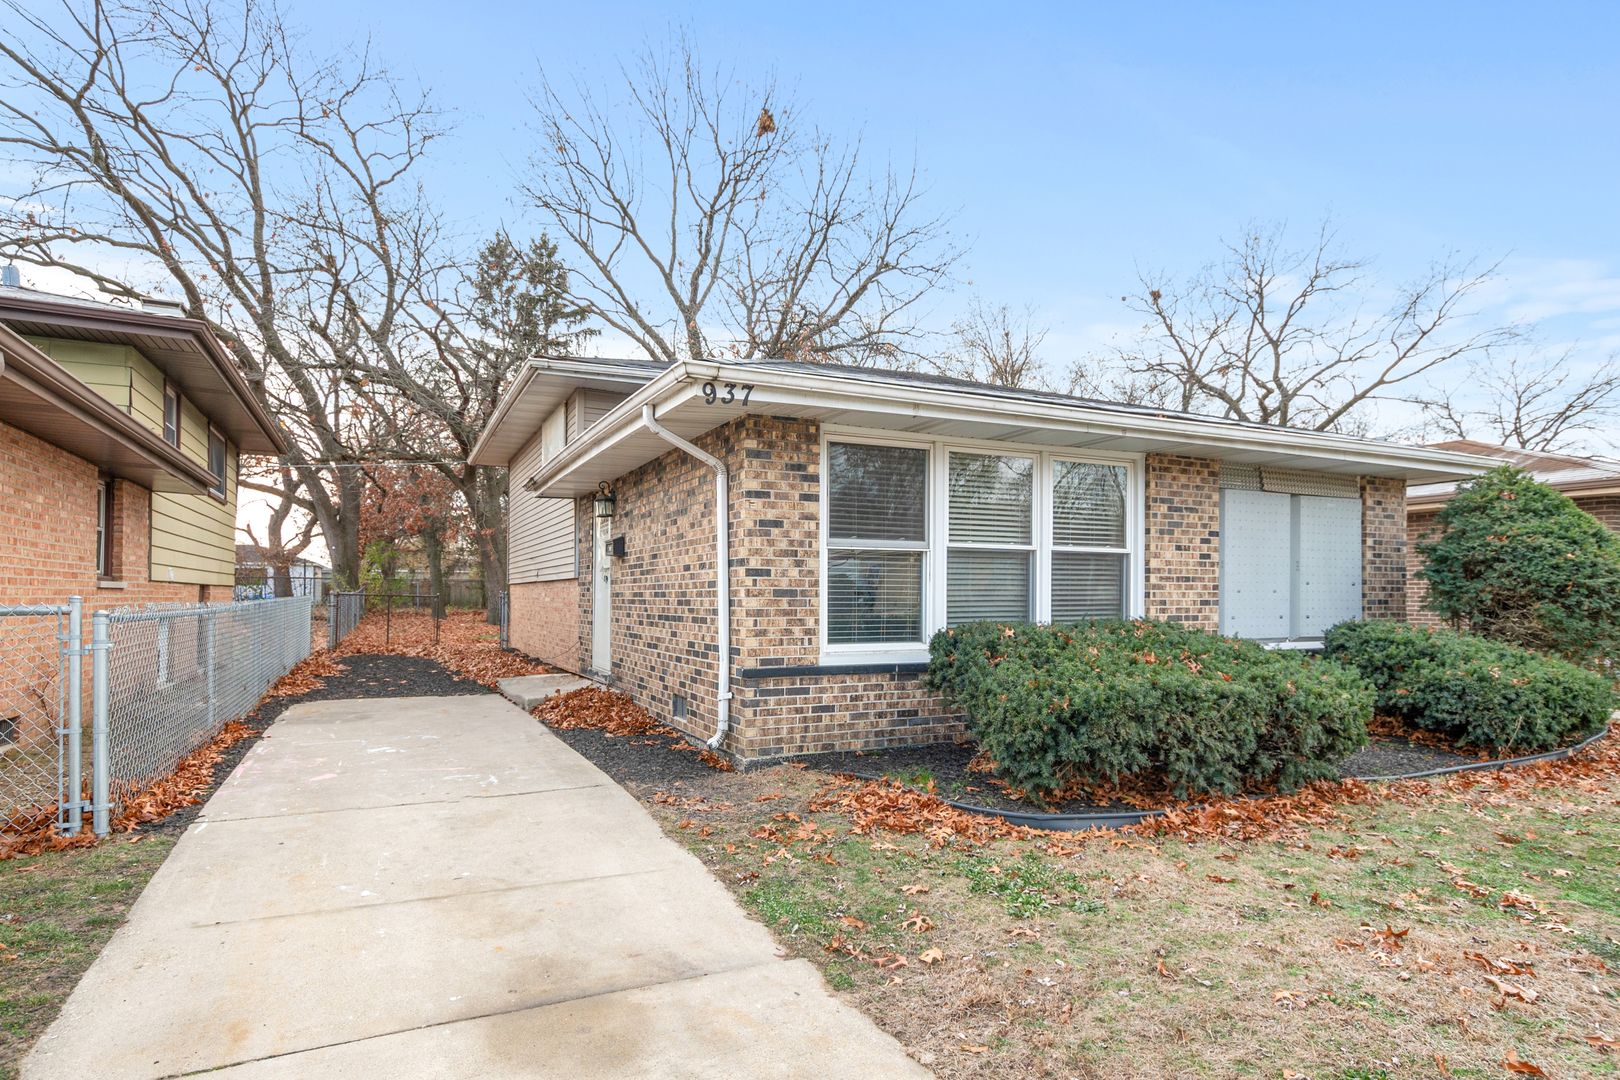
877	493
1088	505
992	499
874	597
983	583
1087	585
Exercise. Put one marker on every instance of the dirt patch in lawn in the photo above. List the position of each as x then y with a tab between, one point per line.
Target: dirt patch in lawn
1436	924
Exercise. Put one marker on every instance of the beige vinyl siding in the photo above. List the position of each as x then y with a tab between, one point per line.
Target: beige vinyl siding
540	532
146	392
194	536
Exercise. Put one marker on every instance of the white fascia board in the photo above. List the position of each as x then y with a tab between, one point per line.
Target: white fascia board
680	405
500	442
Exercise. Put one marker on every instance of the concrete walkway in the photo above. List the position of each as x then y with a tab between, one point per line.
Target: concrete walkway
439	888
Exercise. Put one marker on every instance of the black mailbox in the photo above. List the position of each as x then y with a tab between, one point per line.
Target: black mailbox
616	546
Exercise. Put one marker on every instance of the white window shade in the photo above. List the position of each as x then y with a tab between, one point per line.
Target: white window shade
992	499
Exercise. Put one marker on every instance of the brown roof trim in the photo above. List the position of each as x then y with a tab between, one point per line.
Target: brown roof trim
93	418
109	319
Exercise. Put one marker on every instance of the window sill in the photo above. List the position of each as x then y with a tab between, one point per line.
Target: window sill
109	583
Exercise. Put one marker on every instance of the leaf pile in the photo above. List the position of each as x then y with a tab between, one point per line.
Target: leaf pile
888	805
306	676
184	786
616	715
468	645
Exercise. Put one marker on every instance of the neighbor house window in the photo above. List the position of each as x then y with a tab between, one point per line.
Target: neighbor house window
171	414
1089	557
922	537
877	539
989	568
103	528
216	460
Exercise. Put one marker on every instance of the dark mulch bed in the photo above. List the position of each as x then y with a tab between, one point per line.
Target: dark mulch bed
367	677
641	764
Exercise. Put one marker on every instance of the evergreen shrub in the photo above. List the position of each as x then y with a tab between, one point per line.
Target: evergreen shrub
1476	691
1102	700
1516	560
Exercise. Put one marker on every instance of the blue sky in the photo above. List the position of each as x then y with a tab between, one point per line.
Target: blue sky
1077	143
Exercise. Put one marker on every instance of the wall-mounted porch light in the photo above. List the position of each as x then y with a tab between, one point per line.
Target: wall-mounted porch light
604	500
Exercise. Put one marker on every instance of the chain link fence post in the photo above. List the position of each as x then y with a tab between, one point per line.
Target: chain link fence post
72	800
101	751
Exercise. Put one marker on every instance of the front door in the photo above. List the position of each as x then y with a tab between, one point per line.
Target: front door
601	600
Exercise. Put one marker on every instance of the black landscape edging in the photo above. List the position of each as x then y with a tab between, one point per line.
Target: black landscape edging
1121	818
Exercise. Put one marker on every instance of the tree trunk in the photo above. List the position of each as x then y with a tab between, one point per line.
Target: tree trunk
282	575
433	547
485	488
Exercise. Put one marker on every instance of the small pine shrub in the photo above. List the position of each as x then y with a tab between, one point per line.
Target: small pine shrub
1518	561
1101	701
1479	692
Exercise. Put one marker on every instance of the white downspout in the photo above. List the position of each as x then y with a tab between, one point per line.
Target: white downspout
722	530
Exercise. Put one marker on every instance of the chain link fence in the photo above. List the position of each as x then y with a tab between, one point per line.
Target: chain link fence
38	708
348	608
178	674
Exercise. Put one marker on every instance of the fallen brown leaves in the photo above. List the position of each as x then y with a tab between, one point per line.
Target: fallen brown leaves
885	804
308	675
35	832
467	644
616	715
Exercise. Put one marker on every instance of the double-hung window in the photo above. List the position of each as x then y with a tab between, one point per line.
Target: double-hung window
1090	558
171	414
877	543
920	536
990	565
216	460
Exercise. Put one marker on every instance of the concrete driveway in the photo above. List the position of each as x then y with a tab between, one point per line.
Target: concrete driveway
440	888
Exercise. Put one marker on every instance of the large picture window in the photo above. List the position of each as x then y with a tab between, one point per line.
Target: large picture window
877	539
935	534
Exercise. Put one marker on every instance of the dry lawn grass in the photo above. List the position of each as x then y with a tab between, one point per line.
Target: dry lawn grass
1429	932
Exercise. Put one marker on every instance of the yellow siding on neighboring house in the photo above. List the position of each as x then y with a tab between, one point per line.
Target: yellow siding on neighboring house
103	368
194	536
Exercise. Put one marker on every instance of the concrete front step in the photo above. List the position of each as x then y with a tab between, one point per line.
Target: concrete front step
527	691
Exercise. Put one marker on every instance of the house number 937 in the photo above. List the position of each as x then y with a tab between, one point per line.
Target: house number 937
726	393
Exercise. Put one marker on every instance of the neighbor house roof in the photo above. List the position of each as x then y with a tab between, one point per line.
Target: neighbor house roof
183	349
900	402
41	397
1568	473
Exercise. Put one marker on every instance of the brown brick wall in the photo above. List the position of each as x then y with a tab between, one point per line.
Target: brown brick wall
48	532
1606	508
664	634
542	624
1183	559
1383	548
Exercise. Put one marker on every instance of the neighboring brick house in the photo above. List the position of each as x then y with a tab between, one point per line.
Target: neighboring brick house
1592	483
119	435
868	509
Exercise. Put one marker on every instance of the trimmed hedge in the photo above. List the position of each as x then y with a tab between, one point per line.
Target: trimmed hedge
1099	701
1476	691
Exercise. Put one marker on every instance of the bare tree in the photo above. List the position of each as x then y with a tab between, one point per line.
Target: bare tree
1285	337
995	346
192	145
277	552
1529	402
705	218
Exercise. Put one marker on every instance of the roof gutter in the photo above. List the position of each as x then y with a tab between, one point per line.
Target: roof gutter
722	565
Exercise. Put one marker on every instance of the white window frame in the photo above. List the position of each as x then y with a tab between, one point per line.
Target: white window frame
934	556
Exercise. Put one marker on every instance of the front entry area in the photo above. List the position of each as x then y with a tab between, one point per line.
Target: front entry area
602	598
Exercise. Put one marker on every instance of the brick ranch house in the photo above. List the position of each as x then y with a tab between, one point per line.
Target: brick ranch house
867	509
1592	483
120	430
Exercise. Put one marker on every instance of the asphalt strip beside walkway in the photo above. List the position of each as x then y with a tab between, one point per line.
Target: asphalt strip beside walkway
440	888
